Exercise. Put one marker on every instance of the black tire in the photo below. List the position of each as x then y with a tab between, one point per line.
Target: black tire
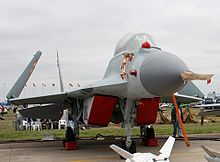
150	133
123	146
131	149
143	134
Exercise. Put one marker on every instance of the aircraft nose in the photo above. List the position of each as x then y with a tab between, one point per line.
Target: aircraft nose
160	73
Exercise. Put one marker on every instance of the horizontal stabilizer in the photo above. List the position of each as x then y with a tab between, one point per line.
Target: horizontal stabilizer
189	75
121	152
45	99
167	148
211	153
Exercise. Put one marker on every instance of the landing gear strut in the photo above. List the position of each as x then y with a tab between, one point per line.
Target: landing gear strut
72	136
129	144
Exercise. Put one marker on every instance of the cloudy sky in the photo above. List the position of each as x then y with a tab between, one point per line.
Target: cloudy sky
85	32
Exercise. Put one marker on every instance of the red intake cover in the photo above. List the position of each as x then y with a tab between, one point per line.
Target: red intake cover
147	111
101	110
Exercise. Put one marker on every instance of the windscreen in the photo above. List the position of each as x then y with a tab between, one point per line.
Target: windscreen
133	41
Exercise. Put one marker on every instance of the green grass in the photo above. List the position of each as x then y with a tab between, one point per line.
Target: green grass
8	133
14	135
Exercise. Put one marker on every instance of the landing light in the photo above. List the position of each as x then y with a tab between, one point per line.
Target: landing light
146	45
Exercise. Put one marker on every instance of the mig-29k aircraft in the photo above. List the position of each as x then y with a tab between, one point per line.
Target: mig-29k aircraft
138	75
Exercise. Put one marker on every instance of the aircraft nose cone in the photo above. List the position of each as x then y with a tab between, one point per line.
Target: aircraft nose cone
160	73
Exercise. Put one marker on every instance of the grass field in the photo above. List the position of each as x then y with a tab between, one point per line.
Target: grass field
8	133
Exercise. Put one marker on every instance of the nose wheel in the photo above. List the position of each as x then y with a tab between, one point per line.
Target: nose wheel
129	144
131	149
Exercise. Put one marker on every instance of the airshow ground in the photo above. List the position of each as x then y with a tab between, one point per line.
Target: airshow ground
99	151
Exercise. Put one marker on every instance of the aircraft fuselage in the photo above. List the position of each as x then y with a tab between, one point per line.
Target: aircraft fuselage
157	73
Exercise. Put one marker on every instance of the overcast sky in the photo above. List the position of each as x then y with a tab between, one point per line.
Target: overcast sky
85	32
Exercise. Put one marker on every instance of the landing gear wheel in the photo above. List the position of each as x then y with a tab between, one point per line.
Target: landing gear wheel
131	149
143	134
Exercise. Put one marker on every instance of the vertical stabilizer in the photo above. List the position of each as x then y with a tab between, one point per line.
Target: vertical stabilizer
167	148
22	80
60	76
122	152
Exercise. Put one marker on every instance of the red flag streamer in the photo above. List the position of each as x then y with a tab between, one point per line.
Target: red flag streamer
180	121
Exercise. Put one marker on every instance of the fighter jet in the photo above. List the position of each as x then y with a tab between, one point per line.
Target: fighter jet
164	156
137	76
211	156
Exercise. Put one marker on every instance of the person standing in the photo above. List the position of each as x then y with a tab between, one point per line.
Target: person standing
175	121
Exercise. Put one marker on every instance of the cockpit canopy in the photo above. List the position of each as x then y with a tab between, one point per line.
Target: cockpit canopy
133	41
